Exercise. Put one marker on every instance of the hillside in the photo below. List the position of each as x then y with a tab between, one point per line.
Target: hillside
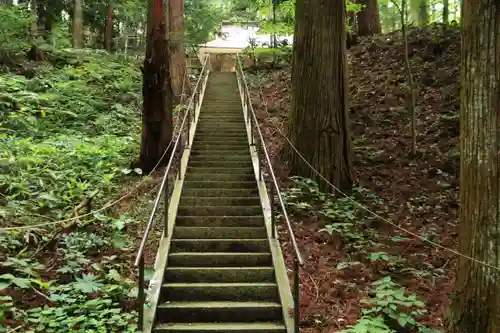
347	248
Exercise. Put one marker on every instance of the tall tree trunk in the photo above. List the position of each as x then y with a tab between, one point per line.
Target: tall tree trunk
476	305
319	118
178	68
368	18
46	16
446	11
423	14
34	24
77	24
108	34
157	90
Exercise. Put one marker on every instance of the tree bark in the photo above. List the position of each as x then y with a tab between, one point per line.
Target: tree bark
446	11
423	15
108	35
368	18
476	305
157	90
178	68
318	125
77	24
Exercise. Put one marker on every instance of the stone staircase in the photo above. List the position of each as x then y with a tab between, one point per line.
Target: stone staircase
220	275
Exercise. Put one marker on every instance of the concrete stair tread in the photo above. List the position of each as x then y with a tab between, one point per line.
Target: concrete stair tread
208	233
222	327
219	197
222	221
219	284
219	259
220	304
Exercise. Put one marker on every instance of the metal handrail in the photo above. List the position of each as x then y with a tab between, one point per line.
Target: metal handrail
139	260
275	190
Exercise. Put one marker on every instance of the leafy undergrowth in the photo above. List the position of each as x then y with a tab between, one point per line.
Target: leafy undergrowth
352	257
68	136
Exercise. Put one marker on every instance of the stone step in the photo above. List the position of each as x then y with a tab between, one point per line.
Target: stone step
222	146
210	184
220	163
203	155
219	274
219	210
220	221
263	291
219	312
211	232
242	327
234	117
219	201
220	177
219	259
239	141
212	170
221	158
220	245
219	192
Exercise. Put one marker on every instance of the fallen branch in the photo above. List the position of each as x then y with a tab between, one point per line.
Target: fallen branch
85	203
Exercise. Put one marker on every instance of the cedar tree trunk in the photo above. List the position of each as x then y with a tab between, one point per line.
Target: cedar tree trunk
446	11
77	24
319	119
368	18
476	305
178	68
108	34
157	91
423	15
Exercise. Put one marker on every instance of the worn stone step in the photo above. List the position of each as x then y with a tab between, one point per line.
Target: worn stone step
206	138
220	201
223	146
226	132
220	157
209	184
222	124
234	117
219	274
217	140
220	221
220	163
211	232
220	312
219	192
263	291
213	149
219	210
212	170
221	177
210	327
220	245
219	259
229	107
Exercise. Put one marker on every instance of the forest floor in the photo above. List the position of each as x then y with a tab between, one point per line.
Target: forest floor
71	128
351	256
